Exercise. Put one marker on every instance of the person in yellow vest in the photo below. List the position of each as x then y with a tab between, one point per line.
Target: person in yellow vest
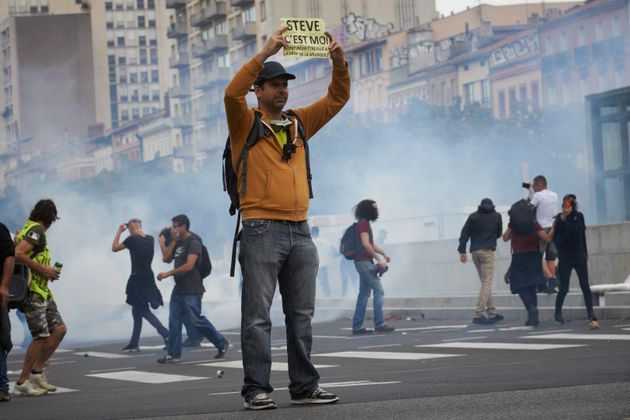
44	320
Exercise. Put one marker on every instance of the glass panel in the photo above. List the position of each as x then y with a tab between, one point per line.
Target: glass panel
614	198
608	110
611	146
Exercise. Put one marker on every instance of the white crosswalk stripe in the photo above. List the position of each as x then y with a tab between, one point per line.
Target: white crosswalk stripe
145	377
102	355
386	355
60	390
501	346
594	336
275	366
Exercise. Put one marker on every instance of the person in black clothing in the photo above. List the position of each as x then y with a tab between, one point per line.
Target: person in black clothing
141	289
483	227
7	262
570	240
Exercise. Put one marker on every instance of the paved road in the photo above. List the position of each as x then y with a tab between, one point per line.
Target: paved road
423	370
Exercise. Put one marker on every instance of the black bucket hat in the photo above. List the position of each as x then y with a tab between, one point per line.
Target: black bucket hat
271	70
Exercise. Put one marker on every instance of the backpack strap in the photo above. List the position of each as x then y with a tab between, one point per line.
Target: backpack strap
237	235
257	133
302	133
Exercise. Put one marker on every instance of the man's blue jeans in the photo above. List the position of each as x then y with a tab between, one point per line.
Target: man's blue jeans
188	306
277	252
368	281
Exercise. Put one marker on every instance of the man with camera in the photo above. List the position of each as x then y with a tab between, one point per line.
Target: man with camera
276	245
185	249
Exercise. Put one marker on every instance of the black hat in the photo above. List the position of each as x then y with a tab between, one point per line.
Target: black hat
486	204
272	69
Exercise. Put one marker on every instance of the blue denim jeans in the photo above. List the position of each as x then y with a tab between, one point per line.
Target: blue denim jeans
4	379
188	307
368	281
274	252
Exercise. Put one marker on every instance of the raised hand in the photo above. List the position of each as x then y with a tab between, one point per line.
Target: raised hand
274	43
336	52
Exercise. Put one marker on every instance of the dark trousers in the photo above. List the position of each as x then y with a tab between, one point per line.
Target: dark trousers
138	313
564	276
530	300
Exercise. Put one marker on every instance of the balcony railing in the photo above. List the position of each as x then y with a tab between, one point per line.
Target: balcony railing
182	121
244	32
175	4
211	12
208	80
241	3
181	91
176	31
179	60
216	44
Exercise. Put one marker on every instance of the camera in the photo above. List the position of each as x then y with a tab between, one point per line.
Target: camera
287	151
526	185
166	232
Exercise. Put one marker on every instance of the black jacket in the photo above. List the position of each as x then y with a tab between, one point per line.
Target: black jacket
570	238
483	227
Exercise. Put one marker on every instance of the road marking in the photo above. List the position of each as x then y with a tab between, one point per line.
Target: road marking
547	332
145	377
481	337
275	366
386	355
331	336
382	345
626	329
621	325
157	347
520	328
102	355
594	336
328	385
112	370
437	327
60	390
501	346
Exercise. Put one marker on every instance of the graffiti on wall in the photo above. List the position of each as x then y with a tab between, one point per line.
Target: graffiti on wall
418	52
366	28
398	57
523	46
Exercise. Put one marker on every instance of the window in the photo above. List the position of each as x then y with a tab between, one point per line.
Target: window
121	41
616	26
263	11
599	31
534	92
564	41
249	15
469	92
122	61
108	5
612	150
153	42
513	101
133	77
140	4
370	62
581	36
486	94
151	4
549	45
221	28
141	22
151	23
143	56
501	104
110	25
523	96
144	77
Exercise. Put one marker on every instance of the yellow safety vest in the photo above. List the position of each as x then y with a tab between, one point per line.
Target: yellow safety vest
39	284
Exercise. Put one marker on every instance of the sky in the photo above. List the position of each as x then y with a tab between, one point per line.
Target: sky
446	6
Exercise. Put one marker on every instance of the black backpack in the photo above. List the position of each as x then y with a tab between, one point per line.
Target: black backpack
205	265
230	174
521	217
350	244
19	286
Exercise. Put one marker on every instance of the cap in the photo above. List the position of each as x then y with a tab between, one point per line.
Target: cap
273	69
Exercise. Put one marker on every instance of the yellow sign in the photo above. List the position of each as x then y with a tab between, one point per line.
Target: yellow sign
306	37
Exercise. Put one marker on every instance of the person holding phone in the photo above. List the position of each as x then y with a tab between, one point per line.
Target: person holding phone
570	240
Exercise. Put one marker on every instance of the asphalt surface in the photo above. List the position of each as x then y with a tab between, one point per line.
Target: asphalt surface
434	370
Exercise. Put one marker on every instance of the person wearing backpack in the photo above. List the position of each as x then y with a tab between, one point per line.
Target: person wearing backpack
7	262
366	212
482	227
141	289
273	197
570	239
525	269
185	249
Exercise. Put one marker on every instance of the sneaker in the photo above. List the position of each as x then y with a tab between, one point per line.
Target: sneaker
319	396
384	329
29	388
362	331
191	343
4	396
40	380
593	324
168	359
558	318
223	350
497	318
482	320
260	401
131	349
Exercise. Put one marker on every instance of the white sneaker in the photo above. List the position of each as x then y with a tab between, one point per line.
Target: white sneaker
29	388
40	380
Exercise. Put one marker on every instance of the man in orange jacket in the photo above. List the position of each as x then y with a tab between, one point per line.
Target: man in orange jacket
276	246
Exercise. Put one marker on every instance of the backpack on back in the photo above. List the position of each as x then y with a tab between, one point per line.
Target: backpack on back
205	265
230	173
521	217
350	244
19	286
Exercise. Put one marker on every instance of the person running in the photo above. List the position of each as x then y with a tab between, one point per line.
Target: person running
369	281
570	239
141	288
276	245
42	315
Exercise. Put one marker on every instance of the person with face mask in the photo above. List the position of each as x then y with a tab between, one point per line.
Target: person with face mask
570	240
141	288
